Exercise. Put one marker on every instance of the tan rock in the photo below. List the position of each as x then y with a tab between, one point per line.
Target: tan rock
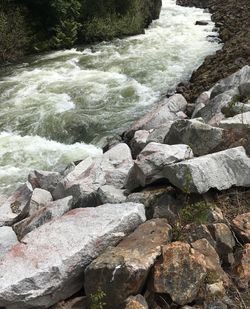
242	268
241	226
136	302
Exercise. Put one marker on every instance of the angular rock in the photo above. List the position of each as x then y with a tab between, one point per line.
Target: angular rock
234	109
44	180
164	112
194	232
122	271
224	241
110	194
52	210
152	161
220	170
215	273
242	268
238	123
83	182
7	240
241	226
138	142
39	199
136	302
15	208
49	265
202	138
244	88
157	135
181	273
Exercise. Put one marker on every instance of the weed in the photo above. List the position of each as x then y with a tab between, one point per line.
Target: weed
97	300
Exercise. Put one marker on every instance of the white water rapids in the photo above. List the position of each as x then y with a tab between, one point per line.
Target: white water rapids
57	107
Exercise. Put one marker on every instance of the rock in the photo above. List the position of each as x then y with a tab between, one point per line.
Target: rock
52	210
181	273
194	232
138	142
110	194
203	4
234	109
202	138
202	22
242	268
136	302
241	226
84	181
15	208
238	123
220	170
157	135
110	141
164	112
122	271
44	180
7	240
151	163
224	241
215	273
75	303
244	88
39	199
49	265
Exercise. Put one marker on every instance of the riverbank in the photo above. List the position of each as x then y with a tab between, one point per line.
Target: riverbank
233	22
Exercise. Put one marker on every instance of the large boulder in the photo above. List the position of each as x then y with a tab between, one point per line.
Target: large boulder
15	207
84	181
152	161
220	170
7	240
48	266
50	211
122	271
165	111
202	138
181	273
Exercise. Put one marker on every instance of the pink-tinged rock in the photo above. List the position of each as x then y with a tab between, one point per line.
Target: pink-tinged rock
44	180
48	265
241	226
242	268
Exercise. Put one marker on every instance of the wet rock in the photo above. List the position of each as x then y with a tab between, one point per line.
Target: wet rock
215	273
122	271
39	199
180	274
164	112
238	123
138	142
152	161
7	240
49	265
241	226
224	241
44	180
43	215
136	302
202	138
15	207
242	268
110	194
220	170
84	181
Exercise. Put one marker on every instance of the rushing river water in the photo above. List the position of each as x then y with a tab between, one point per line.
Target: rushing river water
57	107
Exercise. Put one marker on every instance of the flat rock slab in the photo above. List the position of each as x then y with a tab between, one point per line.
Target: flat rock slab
151	162
220	170
122	271
49	265
7	240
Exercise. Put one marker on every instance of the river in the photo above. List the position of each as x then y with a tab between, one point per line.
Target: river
57	108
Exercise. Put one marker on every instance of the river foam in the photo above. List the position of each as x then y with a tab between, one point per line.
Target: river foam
67	101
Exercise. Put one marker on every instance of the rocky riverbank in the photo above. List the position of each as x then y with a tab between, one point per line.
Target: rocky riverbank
167	229
233	22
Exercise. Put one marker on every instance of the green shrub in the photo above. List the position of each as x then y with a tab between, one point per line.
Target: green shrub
97	300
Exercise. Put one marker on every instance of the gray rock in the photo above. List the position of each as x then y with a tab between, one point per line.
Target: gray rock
138	142
15	208
43	215
44	180
220	170
244	88
39	199
238	123
152	161
7	240
110	194
49	265
122	271
202	138
83	182
157	135
165	111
